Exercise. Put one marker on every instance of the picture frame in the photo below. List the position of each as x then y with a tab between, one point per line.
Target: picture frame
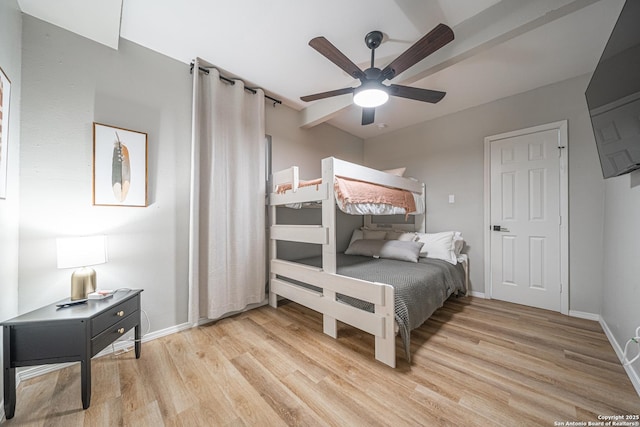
119	166
5	100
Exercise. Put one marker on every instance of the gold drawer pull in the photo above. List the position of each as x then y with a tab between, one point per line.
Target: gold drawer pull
120	313
121	331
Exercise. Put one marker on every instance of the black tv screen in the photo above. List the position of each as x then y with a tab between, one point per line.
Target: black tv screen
613	96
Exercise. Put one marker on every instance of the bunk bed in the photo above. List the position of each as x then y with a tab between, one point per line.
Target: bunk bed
359	299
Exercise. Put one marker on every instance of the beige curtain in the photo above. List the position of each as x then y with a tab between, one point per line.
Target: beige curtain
227	231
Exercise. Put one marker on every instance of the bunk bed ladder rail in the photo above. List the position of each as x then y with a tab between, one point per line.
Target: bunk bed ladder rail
381	323
385	340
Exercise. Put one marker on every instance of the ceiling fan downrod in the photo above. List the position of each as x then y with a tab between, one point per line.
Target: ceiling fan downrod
372	78
373	39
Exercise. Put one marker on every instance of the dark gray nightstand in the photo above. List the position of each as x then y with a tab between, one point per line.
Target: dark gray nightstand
70	334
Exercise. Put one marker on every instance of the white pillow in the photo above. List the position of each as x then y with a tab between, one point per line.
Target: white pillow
458	243
397	171
403	236
390	249
356	235
438	245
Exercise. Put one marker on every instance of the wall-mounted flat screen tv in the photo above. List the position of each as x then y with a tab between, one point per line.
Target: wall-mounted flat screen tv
613	96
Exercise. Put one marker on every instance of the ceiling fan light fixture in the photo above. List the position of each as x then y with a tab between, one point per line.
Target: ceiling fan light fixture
370	96
372	92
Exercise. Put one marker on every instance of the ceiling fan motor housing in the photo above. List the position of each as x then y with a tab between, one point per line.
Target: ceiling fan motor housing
373	39
372	92
373	73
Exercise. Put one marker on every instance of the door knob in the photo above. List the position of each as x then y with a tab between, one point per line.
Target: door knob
499	228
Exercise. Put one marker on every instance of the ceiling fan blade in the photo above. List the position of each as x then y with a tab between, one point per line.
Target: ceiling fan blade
425	95
368	116
434	40
329	51
328	94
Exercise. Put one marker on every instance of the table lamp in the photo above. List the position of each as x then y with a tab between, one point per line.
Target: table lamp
82	252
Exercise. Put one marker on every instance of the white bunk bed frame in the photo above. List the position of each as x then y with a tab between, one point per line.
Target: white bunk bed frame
380	323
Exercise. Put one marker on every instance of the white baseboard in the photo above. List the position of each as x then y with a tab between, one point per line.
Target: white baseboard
477	294
631	372
118	346
39	370
585	315
127	344
123	345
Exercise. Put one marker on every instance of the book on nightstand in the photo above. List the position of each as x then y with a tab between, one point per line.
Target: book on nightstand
101	294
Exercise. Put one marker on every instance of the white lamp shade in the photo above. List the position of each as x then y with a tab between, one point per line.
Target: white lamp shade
81	251
370	97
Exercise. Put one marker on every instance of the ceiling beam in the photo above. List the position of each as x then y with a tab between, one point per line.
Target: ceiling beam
320	112
495	25
97	20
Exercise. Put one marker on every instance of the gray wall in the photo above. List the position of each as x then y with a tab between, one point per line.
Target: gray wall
305	149
447	153
621	285
10	60
70	82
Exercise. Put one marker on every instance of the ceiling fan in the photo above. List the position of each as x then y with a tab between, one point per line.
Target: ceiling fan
372	92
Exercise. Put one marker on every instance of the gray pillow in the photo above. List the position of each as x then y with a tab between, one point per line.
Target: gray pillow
390	249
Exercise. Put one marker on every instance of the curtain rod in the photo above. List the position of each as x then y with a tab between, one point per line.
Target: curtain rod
233	82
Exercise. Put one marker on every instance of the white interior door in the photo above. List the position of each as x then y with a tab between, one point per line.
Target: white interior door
525	234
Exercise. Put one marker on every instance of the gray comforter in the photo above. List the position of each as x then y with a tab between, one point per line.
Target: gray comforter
420	288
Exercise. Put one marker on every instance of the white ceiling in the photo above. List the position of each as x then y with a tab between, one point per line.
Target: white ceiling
502	47
94	19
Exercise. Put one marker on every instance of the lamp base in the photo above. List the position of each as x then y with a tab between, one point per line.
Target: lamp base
83	282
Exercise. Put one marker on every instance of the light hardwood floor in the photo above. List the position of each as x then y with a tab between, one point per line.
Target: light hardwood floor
475	362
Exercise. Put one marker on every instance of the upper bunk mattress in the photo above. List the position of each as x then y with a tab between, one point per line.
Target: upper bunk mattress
355	197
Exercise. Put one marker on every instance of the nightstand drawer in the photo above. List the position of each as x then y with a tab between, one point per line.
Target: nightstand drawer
112	333
114	315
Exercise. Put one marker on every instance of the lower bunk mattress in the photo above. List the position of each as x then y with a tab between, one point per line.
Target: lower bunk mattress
419	288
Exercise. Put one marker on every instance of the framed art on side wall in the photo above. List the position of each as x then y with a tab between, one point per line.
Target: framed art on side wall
119	166
5	92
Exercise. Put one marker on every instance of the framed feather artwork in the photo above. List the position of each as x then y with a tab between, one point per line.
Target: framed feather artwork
119	166
5	92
